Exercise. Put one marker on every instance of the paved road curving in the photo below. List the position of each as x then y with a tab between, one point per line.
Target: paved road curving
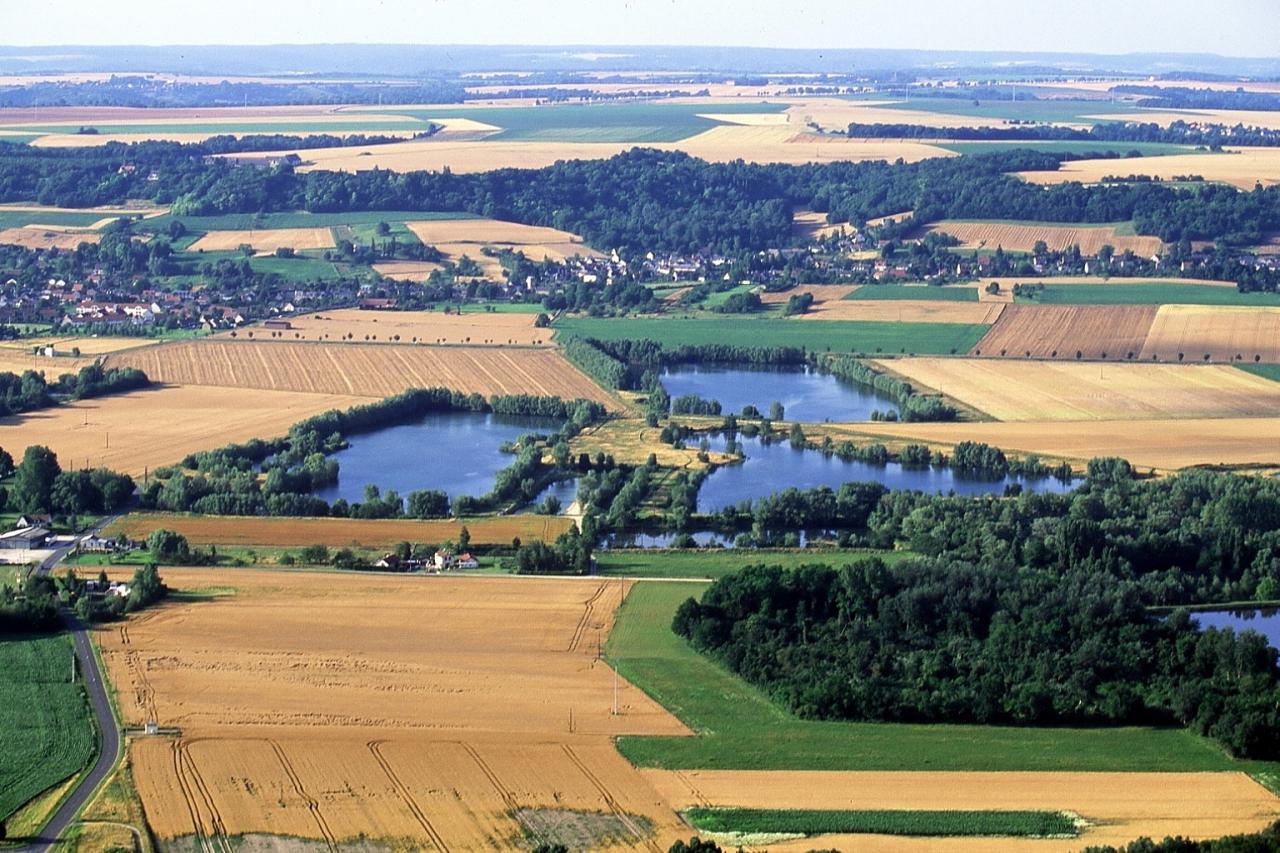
108	730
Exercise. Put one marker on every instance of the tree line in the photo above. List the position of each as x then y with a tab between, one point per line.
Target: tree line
1177	132
30	391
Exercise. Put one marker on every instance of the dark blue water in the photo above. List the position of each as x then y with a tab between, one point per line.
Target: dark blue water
1266	621
565	490
454	452
805	394
770	468
705	539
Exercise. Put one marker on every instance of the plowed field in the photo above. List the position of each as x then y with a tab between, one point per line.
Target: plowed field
1060	331
364	370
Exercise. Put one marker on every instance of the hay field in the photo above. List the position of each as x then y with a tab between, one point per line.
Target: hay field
439	731
487	232
407	270
145	429
1014	237
813	225
1060	331
1164	445
341	532
18	360
267	240
355	325
47	238
87	345
1221	332
822	293
905	311
1240	167
1014	390
1121	806
372	370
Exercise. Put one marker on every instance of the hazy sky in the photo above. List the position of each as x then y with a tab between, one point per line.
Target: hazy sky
1228	27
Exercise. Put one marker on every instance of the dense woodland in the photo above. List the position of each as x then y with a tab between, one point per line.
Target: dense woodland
644	200
31	391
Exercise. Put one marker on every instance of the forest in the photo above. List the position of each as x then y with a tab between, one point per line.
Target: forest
1032	611
644	200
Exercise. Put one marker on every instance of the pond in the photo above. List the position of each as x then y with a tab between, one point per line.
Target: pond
705	539
458	453
773	467
1264	620
806	394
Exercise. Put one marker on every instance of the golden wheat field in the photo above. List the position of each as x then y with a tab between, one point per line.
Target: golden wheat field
367	370
407	270
357	326
1119	806
1223	333
486	231
1240	167
1062	331
47	238
905	311
341	532
1164	445
1013	390
822	293
265	240
813	225
19	360
1013	237
63	345
457	714
145	429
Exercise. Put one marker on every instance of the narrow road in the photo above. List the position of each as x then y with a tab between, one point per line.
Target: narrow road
96	689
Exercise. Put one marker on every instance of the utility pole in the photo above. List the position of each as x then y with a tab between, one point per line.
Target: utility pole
615	693
73	665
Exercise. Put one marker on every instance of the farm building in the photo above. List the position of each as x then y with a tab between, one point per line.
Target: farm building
24	538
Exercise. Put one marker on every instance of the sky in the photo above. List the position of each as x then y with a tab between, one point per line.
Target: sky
1248	28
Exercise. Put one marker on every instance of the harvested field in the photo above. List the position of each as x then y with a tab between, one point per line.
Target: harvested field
267	240
145	429
44	238
87	345
812	225
367	370
439	731
1165	445
407	270
340	532
822	293
486	231
1014	237
1249	118
1011	390
877	221
1120	806
1220	332
905	311
354	325
1241	167
1060	331
1096	281
838	114
18	360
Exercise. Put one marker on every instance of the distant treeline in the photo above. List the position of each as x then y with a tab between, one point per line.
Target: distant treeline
1178	132
912	405
644	200
1186	97
140	91
227	144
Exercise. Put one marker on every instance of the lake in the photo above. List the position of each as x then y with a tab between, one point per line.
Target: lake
770	468
1265	620
454	452
806	394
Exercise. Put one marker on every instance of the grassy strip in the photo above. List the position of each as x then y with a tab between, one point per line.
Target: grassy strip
739	728
1026	824
715	563
1148	294
902	291
813	335
1266	371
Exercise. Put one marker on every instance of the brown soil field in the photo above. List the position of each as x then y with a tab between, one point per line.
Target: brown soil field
1241	167
47	238
437	731
1010	390
1164	445
822	293
341	532
356	326
1221	332
266	240
905	311
1060	331
487	231
1022	238
368	370
1119	806
146	429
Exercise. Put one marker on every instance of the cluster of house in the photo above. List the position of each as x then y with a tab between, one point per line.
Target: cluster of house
440	561
119	589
